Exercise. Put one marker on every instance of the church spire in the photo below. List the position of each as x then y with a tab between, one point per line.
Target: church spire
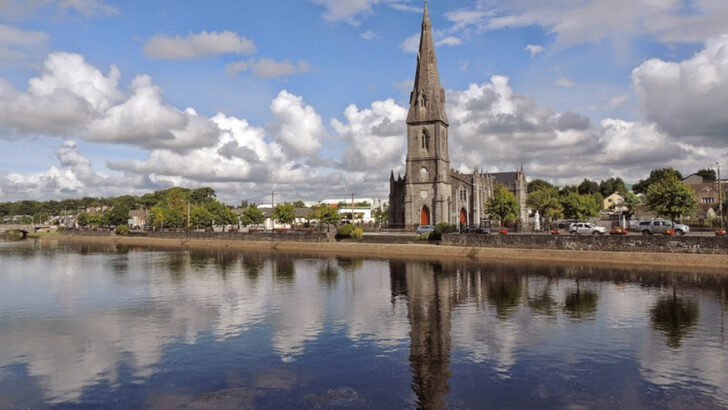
427	101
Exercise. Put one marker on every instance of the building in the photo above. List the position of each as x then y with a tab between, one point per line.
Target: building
614	203
431	191
138	218
706	193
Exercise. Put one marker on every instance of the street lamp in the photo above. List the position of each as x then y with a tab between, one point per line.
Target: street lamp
720	196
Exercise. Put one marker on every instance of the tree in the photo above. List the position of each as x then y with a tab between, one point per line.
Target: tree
299	204
200	217
117	215
631	201
201	195
546	202
221	214
580	207
707	174
380	215
284	213
671	198
538	185
612	185
588	187
503	205
158	216
656	175
328	215
82	219
252	216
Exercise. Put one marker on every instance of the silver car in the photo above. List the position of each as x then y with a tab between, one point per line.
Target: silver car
658	226
423	229
586	228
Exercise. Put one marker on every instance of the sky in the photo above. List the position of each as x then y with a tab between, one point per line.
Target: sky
308	98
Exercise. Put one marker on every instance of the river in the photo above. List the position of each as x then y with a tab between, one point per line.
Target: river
84	326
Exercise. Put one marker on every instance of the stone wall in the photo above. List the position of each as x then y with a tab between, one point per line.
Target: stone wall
710	245
80	232
245	236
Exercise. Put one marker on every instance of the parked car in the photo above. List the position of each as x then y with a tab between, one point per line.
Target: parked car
423	229
477	229
661	226
586	228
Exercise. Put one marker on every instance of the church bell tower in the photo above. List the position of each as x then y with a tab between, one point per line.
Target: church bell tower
428	193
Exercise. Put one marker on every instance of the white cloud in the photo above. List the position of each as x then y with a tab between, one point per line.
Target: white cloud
198	45
565	82
534	49
73	98
368	35
296	126
687	99
592	21
88	7
449	41
411	44
374	136
268	68
15	43
18	9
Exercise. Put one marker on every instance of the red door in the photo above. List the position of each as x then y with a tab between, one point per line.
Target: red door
463	217
425	216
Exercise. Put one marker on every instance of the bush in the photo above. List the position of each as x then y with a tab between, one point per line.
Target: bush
441	228
345	231
357	233
122	230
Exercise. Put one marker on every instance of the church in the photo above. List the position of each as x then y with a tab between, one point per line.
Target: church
430	191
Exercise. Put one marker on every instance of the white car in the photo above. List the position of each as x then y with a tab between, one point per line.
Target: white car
586	228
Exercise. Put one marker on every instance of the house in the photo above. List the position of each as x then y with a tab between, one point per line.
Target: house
138	218
706	192
614	203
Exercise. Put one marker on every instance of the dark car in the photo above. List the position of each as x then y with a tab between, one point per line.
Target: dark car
476	229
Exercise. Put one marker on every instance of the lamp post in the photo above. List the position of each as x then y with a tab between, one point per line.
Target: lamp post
720	196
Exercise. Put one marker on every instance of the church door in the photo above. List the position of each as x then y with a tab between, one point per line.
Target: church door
463	217
425	216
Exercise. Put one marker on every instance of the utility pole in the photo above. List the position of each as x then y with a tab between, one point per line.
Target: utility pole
188	215
720	196
272	207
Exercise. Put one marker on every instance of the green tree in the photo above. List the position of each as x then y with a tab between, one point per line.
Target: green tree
671	198
40	217
117	215
707	174
82	219
159	216
284	213
221	214
546	201
380	215
503	205
299	204
656	175
538	185
580	207
200	217
588	187
631	201
252	216
612	185
201	195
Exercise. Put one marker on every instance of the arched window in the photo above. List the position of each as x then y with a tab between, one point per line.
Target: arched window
425	140
463	194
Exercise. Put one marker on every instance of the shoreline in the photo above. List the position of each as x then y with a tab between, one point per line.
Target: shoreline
429	251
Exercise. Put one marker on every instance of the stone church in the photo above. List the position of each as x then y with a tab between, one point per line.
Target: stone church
430	191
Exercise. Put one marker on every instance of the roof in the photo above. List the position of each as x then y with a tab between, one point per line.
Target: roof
139	213
505	177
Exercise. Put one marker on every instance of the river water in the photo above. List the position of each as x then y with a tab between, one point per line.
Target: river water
106	326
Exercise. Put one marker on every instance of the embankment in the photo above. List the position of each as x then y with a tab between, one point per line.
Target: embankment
451	248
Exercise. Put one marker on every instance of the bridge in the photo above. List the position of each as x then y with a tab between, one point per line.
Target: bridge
23	229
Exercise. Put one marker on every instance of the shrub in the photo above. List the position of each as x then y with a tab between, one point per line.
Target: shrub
357	233
441	228
345	231
122	230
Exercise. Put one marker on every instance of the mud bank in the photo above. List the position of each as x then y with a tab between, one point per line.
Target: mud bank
420	251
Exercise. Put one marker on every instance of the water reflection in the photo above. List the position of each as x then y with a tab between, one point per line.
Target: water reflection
675	317
370	332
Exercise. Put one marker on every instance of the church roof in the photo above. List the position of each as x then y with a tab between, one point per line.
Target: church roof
427	101
505	177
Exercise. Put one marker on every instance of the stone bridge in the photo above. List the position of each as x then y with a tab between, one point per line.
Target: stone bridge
24	229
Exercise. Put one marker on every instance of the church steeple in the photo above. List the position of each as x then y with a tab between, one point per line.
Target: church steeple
427	101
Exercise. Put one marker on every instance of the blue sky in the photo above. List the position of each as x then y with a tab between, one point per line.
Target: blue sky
94	92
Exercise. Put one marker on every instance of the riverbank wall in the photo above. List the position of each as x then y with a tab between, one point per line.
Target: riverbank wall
460	251
661	244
